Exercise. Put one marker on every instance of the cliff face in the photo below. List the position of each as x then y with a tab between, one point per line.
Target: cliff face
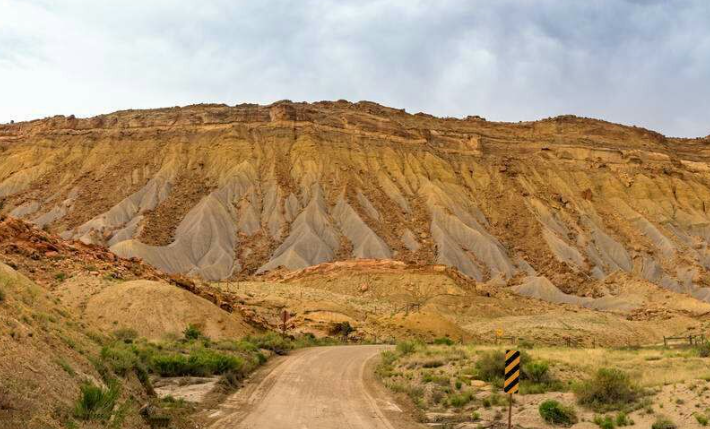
220	191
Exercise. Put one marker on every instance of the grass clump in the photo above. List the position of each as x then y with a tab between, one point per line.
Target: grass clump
703	350
555	413
526	344
272	341
701	419
459	400
192	332
609	389
444	341
96	403
604	422
492	400
663	423
622	419
405	348
386	367
120	359
310	340
65	366
127	335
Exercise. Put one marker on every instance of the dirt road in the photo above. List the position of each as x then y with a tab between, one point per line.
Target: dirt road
319	388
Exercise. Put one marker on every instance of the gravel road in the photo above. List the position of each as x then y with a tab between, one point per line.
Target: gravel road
318	388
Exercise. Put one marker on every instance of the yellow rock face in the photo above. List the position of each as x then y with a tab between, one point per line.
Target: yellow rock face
216	191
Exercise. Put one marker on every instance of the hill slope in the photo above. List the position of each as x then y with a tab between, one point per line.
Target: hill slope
219	191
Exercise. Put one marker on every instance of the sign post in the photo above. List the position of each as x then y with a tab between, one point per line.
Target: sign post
511	384
284	318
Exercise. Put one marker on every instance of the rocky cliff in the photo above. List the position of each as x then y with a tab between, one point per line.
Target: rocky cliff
218	191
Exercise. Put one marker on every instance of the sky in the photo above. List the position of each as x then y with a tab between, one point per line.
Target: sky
637	62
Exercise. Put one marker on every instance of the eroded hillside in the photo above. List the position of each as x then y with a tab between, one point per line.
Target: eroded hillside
220	192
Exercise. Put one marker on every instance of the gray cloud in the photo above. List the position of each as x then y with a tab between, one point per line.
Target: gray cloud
638	62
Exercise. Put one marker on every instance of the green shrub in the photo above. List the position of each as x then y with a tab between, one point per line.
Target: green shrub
170	365
702	419
342	329
60	276
703	349
2	295
199	363
192	332
663	423
405	348
96	403
444	341
388	357
127	335
526	344
536	378
555	413
609	389
433	363
234	376
622	419
120	359
492	400
491	366
144	378
459	400
604	422
537	371
272	341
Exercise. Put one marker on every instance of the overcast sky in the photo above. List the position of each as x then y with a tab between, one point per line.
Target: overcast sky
641	62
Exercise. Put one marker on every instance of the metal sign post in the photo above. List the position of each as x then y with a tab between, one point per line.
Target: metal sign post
284	318
511	384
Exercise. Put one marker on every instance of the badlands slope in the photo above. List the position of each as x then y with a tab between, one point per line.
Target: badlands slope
550	208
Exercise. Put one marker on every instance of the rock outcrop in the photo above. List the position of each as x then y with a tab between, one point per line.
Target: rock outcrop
218	191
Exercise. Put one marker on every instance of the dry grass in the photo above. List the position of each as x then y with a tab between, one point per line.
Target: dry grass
650	366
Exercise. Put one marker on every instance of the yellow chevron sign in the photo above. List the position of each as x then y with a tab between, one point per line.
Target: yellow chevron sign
512	371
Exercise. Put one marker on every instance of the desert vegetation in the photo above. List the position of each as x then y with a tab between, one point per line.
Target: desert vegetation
124	357
461	385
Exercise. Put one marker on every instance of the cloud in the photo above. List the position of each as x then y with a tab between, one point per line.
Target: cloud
639	62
